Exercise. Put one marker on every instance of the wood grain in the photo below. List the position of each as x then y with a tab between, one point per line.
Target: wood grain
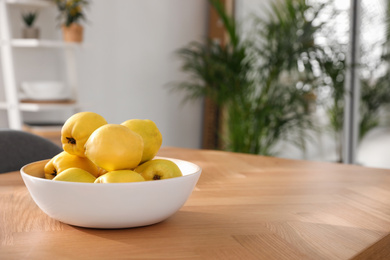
243	207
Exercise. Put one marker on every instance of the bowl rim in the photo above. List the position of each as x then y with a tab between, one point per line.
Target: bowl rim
197	171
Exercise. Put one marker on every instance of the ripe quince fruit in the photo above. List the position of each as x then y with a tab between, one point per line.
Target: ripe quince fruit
75	175
120	176
114	147
158	169
150	134
64	160
77	129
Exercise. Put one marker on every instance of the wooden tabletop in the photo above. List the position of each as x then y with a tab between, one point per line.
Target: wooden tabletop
243	207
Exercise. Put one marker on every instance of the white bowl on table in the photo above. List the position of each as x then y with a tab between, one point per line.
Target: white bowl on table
110	205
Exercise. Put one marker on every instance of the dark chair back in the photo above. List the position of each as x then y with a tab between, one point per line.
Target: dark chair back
18	148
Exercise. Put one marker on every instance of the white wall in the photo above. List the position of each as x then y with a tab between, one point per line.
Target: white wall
128	60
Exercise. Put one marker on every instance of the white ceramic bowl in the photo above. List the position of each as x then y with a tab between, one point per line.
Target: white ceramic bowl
45	90
110	205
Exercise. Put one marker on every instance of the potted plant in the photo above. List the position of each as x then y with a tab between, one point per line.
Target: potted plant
71	13
256	86
30	32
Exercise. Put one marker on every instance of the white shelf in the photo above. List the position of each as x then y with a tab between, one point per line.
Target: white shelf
36	107
33	3
36	43
13	103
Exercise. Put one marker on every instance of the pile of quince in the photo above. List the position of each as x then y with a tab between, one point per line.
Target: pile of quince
98	152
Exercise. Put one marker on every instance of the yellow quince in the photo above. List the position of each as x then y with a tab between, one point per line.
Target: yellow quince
120	176
77	129
114	147
158	169
64	160
75	175
150	134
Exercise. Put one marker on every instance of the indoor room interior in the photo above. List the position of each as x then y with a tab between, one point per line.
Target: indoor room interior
195	129
127	66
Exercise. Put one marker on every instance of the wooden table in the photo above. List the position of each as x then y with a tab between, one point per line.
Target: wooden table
244	207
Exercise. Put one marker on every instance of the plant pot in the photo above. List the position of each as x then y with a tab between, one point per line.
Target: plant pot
30	33
72	33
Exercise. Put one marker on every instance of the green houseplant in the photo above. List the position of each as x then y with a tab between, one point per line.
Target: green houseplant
265	101
71	13
29	31
264	82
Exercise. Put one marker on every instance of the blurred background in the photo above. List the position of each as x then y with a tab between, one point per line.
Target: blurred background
275	77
